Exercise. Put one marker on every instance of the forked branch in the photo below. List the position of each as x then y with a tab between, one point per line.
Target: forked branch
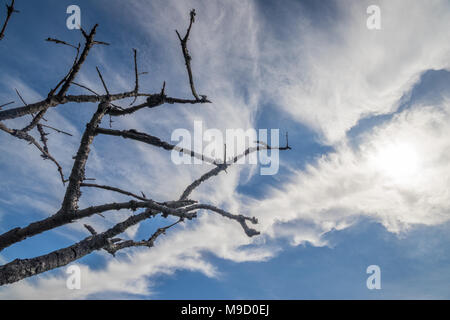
187	56
9	11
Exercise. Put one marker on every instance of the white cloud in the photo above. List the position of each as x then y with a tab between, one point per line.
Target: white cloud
328	78
351	183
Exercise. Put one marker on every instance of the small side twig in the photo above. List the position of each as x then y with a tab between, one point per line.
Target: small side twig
55	129
103	81
25	136
114	247
92	185
6	104
136	85
61	42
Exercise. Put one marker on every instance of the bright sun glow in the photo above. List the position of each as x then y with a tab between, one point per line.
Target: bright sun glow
398	161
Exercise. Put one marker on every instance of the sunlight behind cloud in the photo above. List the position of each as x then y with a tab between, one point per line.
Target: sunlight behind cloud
397	161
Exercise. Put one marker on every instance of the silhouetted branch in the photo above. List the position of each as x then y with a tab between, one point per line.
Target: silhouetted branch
9	11
24	268
70	202
152	140
187	56
136	73
223	166
112	248
55	129
103	81
69	212
62	42
6	104
62	218
154	100
91	185
29	267
44	139
25	136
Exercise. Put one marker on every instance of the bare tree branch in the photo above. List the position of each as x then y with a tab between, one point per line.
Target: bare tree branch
9	11
226	164
103	81
155	100
61	42
136	86
77	66
25	136
24	268
57	220
55	129
152	140
6	104
44	139
55	101
187	56
69	212
114	247
70	202
92	185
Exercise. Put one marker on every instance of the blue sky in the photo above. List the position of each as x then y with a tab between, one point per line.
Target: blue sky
366	182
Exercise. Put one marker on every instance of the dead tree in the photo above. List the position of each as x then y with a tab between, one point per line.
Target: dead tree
183	208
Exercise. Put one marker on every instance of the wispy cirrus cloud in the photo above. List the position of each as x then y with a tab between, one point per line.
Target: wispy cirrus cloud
330	77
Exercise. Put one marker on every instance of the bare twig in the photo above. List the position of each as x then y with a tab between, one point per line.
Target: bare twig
187	56
103	81
136	86
9	11
91	185
61	42
113	248
20	97
154	141
38	117
154	100
44	139
77	66
63	80
225	165
25	136
6	104
90	229
55	129
88	89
